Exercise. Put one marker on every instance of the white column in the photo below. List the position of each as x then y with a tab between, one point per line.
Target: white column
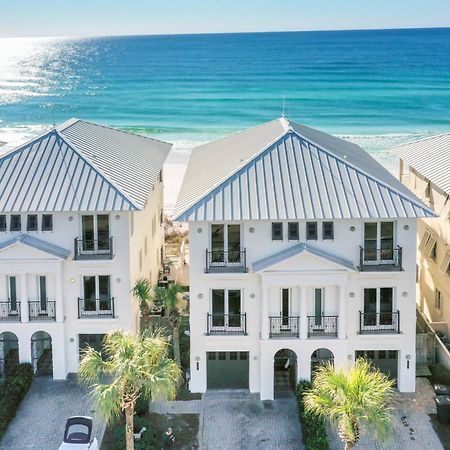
24	298
303	312
24	348
59	298
342	313
265	313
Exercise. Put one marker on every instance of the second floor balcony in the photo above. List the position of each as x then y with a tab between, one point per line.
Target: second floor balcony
284	327
324	326
96	308
42	310
379	323
10	311
93	249
220	261
226	324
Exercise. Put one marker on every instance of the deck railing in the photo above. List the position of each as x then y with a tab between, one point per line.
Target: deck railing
322	326
219	261
42	310
379	323
227	323
96	308
93	248
10	311
374	259
284	327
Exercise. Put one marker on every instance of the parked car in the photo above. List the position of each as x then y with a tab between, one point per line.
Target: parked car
78	434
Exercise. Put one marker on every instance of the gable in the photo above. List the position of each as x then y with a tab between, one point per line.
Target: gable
20	251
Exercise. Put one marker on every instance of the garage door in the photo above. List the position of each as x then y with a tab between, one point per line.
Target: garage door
385	360
227	370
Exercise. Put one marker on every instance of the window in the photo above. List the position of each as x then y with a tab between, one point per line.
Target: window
392	354
222	356
97	293
428	190
382	354
47	222
311	231
140	260
226	308
293	234
378	241
243	356
212	356
277	231
327	230
32	222
427	243
318	306
12	292
437	299
145	245
433	253
233	356
2	223
160	176
15	224
161	217
378	306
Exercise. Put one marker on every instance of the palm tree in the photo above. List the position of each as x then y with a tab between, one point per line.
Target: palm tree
136	364
142	291
168	296
351	399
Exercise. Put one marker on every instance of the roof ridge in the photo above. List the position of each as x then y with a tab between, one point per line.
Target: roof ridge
427	138
365	173
234	171
91	163
76	120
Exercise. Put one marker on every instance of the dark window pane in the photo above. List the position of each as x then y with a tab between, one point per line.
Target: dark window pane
277	231
234	243
16	224
233	356
32	222
47	222
89	287
211	356
311	231
13	292
382	354
392	354
318	306
327	230
293	234
243	356
370	306
218	307
217	242
103	231
222	356
2	223
370	241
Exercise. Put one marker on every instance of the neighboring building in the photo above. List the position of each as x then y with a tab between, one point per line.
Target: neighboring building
80	221
425	169
302	250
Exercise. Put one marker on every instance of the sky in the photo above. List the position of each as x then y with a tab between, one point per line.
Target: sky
30	18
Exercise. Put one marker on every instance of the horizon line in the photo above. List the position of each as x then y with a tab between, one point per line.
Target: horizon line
321	30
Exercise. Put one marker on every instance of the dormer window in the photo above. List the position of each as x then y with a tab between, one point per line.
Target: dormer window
2	222
311	231
32	222
47	222
15	223
327	230
277	231
293	232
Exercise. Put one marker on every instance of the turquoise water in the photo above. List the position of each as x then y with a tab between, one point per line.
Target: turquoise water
376	88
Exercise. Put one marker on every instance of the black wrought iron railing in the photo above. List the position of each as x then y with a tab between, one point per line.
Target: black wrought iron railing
385	322
380	259
93	248
42	310
284	326
218	261
227	324
10	311
322	326
95	308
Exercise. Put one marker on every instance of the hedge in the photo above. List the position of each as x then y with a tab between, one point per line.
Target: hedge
439	374
149	440
313	427
12	392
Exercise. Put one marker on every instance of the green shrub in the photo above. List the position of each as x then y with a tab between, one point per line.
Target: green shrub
439	374
12	392
313	427
148	441
141	406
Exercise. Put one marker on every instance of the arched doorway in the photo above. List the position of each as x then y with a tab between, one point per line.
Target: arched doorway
41	354
285	372
320	357
9	352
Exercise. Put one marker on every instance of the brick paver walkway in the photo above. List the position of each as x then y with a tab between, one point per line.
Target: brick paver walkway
412	426
239	420
41	417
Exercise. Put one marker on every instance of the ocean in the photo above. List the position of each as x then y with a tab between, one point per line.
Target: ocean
376	88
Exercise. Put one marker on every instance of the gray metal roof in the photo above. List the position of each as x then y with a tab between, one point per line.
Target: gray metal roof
283	170
271	260
80	166
430	157
38	244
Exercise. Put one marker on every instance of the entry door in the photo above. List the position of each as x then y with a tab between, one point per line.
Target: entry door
42	287
12	293
97	293
226	308
285	310
95	232
226	243
378	241
318	308
378	306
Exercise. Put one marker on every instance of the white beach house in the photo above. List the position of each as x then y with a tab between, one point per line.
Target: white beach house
425	169
302	250
80	221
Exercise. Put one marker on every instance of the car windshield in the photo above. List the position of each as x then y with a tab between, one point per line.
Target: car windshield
77	433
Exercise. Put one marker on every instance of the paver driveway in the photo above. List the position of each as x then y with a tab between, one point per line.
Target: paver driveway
238	420
40	420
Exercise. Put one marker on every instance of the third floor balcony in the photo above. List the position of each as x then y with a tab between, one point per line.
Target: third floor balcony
220	261
93	248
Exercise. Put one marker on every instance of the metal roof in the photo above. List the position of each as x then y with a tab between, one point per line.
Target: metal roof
430	157
38	244
271	260
283	170
80	166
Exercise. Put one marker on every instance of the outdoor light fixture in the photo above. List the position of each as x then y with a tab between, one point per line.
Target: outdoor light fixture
70	218
352	228
71	340
352	294
405	294
200	295
199	230
349	357
252	295
117	217
72	280
251	230
406	227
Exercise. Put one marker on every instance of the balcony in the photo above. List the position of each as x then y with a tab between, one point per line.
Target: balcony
96	308
226	324
10	312
93	249
284	327
324	326
380	260
379	323
40	310
219	261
